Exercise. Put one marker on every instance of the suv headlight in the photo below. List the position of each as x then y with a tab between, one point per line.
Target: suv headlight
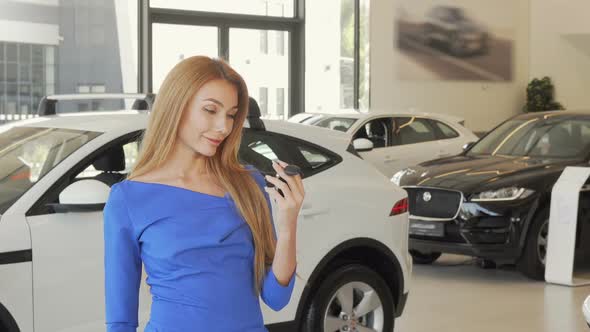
503	194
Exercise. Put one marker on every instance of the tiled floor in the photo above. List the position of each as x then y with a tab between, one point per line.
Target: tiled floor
454	295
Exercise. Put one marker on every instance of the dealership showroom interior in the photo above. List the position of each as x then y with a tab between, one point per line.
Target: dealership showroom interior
357	165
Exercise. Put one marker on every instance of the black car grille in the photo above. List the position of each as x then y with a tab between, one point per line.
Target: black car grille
443	204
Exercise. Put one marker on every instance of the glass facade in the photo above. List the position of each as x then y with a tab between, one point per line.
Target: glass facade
64	47
27	73
278	8
92	46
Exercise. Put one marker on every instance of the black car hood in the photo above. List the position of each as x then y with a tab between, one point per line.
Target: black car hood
478	173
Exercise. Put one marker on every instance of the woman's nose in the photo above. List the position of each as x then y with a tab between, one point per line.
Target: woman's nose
222	124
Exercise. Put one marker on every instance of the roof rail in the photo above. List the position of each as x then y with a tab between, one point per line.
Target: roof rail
47	106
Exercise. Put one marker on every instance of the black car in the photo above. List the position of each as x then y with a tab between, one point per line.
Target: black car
492	201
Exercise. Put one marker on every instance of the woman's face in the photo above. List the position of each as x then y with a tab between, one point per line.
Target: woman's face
209	117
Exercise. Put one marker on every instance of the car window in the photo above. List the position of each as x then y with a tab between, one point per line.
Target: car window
377	131
314	157
260	148
29	153
340	124
130	152
412	130
263	149
446	131
313	119
537	137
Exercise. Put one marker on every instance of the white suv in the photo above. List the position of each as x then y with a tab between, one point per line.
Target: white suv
393	141
55	175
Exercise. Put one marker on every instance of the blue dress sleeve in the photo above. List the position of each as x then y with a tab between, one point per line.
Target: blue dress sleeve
274	294
122	265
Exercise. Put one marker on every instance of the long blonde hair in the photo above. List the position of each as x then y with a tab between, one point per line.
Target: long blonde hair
173	98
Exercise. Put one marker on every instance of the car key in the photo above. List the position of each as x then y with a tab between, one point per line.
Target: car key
290	170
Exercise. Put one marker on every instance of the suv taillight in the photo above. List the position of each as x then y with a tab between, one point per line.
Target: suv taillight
400	207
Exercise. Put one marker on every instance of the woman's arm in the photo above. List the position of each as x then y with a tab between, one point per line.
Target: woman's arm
122	265
278	284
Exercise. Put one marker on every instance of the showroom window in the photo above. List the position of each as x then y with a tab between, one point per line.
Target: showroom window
256	37
279	8
263	101
337	69
263	41
27	73
280	100
63	44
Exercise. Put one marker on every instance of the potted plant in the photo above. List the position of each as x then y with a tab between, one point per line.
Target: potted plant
539	96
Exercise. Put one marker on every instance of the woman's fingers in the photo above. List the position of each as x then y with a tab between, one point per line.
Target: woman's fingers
280	185
294	182
297	178
273	193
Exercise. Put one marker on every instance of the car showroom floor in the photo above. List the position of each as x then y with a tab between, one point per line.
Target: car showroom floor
455	295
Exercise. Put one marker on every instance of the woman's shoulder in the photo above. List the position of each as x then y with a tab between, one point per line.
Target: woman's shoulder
258	176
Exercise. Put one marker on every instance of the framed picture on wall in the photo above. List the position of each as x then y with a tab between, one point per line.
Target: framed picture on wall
466	40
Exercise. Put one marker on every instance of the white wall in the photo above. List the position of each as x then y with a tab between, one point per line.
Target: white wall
560	48
481	104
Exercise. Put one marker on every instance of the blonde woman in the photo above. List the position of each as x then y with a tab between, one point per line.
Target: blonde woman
198	220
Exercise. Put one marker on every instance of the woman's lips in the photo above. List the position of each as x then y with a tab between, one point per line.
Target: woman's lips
214	141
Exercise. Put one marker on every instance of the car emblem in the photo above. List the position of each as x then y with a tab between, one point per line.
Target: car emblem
427	196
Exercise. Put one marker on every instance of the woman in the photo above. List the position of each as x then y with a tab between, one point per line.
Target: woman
198	220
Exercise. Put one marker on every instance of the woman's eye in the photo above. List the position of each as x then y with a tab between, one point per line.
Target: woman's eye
231	116
212	111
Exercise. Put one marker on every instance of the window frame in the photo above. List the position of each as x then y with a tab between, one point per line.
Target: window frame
51	195
288	152
224	22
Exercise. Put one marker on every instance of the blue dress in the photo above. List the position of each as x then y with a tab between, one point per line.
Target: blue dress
198	253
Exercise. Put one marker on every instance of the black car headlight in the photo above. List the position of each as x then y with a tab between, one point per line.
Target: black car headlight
502	194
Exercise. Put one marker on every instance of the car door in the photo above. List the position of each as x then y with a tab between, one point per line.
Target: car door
259	149
68	253
378	131
414	141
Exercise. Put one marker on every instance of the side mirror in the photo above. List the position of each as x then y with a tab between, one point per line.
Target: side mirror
83	196
468	146
362	145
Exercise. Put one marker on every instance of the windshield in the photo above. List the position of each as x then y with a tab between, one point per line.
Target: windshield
28	153
341	124
545	137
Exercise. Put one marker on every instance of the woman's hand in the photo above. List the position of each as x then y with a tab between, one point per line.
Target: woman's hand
289	205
